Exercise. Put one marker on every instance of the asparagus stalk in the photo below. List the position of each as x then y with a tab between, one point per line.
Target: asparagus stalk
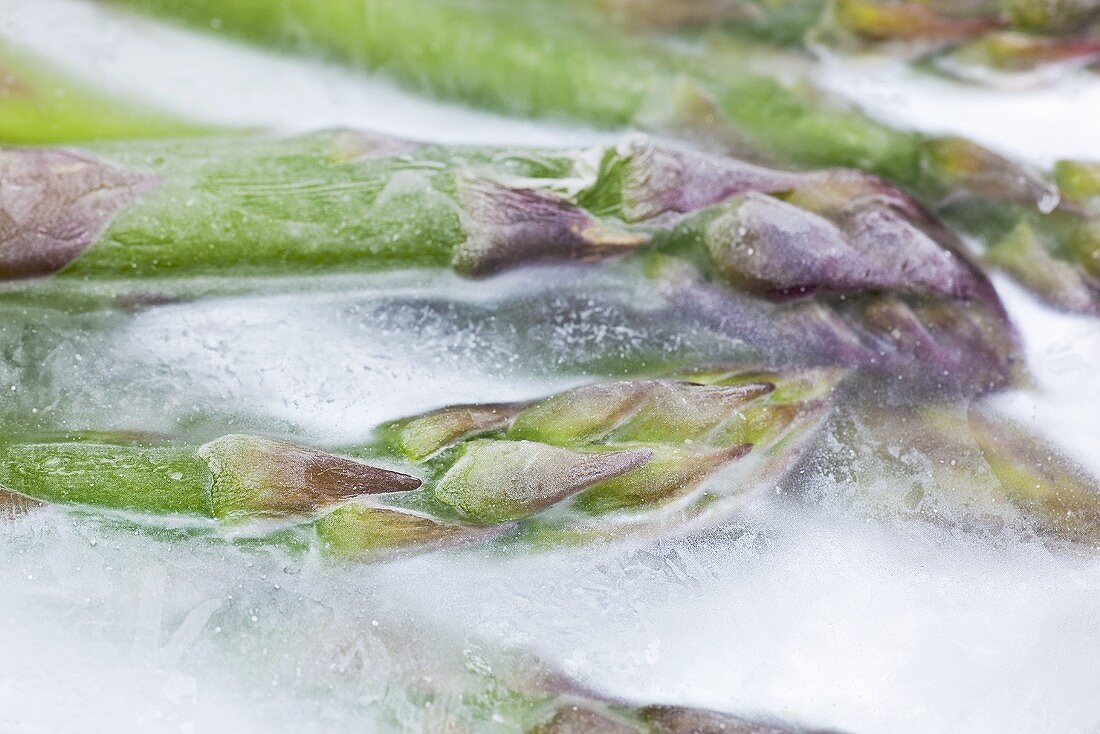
603	459
521	59
509	57
348	199
40	106
964	465
858	269
231	478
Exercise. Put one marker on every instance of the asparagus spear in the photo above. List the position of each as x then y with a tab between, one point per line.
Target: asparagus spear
623	456
520	59
232	478
834	242
507	57
347	199
41	106
966	465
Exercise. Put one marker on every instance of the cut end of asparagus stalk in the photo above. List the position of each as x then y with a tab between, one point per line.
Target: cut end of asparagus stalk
258	476
512	226
502	481
55	203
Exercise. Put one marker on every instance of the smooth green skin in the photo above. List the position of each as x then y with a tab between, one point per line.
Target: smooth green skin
525	58
154	479
254	206
39	106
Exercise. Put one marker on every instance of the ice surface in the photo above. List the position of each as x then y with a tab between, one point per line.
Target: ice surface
1040	125
806	611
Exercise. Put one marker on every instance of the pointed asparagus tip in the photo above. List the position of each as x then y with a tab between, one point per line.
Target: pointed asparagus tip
503	481
259	476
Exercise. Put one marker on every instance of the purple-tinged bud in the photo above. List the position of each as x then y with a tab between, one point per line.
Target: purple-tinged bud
258	476
515	226
55	203
660	180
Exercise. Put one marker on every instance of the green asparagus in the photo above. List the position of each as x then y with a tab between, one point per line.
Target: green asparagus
846	263
596	461
233	478
968	466
510	57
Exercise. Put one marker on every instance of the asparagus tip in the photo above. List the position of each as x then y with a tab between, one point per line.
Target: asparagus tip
254	475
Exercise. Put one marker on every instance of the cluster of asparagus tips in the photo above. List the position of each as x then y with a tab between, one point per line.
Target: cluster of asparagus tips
599	451
601	459
980	37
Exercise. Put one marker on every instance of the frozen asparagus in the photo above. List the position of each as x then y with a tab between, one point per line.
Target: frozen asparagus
965	465
646	456
231	478
536	59
604	459
856	269
356	200
509	57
